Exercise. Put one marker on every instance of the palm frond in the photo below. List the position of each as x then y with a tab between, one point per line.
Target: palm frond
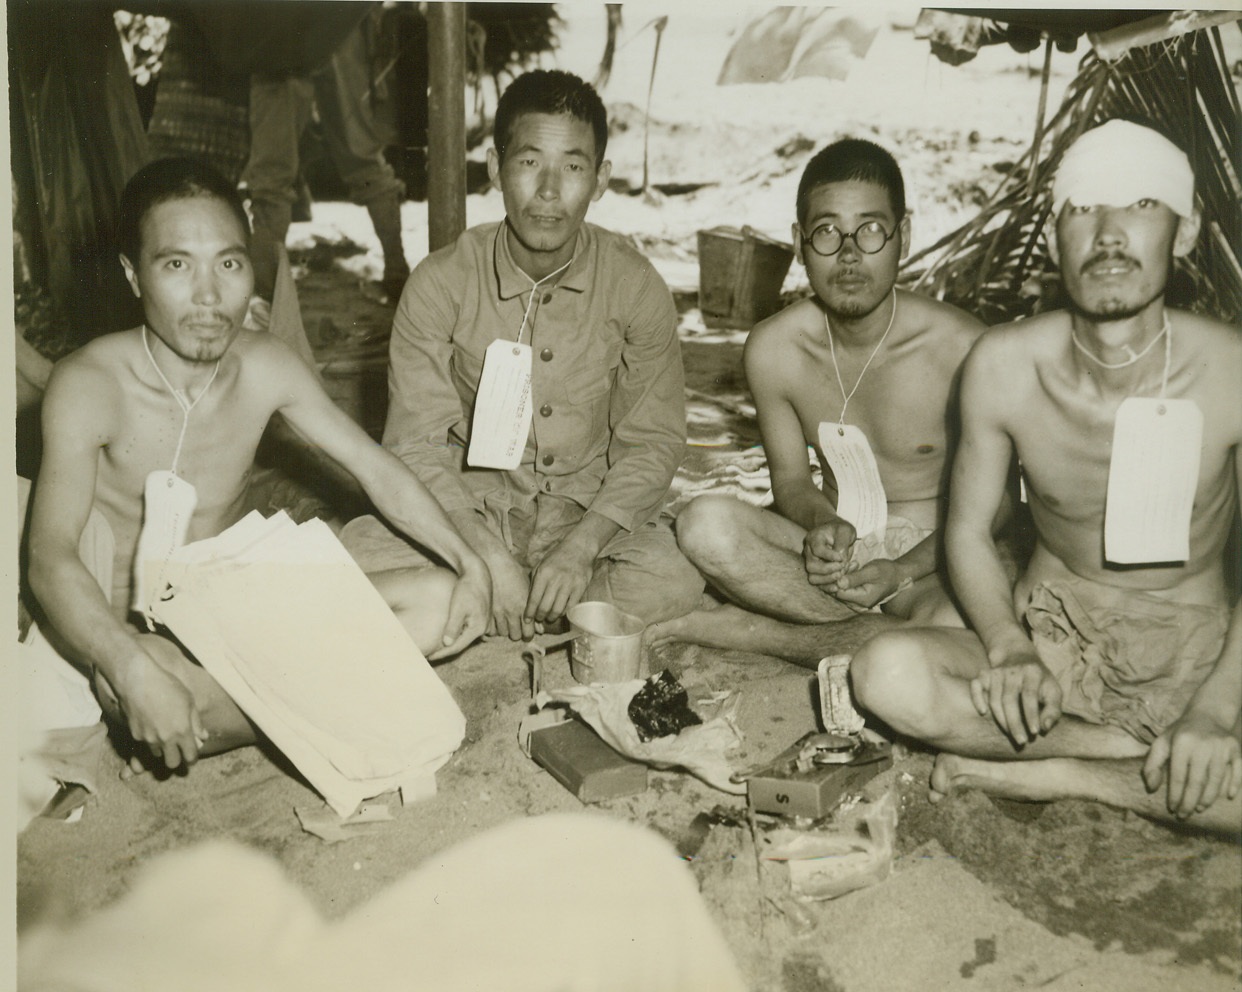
997	264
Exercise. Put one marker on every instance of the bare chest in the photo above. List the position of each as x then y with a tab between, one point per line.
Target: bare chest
212	448
1067	445
901	408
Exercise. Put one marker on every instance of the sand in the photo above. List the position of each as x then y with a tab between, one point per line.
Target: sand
1065	896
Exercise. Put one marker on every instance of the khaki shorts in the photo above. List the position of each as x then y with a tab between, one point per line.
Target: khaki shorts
641	572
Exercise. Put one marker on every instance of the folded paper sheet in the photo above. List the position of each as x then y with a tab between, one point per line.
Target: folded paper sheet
291	628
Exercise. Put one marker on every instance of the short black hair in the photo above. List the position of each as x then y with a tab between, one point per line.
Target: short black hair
852	159
171	179
550	91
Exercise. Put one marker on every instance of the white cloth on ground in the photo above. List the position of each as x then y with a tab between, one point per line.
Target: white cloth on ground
281	616
60	737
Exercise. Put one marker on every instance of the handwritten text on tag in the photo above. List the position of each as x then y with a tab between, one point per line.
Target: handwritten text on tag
502	407
860	493
1151	480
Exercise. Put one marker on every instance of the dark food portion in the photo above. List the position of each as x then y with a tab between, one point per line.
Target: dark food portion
661	707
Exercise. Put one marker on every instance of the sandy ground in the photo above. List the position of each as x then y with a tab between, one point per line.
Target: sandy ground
1071	896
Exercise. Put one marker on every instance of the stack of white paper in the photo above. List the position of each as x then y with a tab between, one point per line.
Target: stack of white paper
281	616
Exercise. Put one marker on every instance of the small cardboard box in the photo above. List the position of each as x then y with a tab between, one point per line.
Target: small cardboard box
817	792
577	758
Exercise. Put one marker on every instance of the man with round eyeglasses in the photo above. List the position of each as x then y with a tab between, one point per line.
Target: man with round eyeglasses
863	373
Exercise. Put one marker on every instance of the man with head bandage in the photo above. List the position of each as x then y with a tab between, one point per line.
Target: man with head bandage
1114	670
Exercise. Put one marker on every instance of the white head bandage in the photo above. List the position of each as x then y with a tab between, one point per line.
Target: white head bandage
1120	163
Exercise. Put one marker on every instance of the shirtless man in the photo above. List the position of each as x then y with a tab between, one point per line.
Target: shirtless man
1114	671
189	394
859	353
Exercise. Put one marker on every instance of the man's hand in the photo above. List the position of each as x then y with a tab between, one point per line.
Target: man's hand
470	610
510	591
869	584
158	708
1203	759
826	552
560	580
1020	694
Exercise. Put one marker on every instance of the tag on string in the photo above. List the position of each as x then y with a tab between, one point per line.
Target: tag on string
502	407
168	507
860	493
1151	480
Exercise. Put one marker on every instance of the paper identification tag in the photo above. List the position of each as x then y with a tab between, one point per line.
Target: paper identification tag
168	507
1151	480
502	409
860	493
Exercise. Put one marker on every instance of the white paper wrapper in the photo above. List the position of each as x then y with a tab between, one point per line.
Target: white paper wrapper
700	750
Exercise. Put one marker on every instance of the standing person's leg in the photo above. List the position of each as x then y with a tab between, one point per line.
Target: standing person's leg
355	140
279	112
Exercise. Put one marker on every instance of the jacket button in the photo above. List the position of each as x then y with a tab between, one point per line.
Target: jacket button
547	298
549	459
545	410
546	354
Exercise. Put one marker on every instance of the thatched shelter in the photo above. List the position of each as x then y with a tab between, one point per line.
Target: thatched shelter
1169	70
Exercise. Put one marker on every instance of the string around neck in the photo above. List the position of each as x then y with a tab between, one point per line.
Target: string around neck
836	368
1134	356
180	396
534	287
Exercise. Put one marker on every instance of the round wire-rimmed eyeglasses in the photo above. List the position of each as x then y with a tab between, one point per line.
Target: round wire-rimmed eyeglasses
869	238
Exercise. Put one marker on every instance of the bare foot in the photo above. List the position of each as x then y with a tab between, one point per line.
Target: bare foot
658	635
1036	781
943	776
724	626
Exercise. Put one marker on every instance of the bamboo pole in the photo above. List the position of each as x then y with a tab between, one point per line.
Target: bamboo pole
446	129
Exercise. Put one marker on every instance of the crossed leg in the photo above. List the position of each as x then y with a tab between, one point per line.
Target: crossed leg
918	682
754	558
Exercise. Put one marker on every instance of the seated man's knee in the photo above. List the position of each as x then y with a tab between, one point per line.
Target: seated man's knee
892	679
707	531
420	599
653	580
936	609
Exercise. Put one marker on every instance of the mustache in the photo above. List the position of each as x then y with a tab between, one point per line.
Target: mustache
1104	257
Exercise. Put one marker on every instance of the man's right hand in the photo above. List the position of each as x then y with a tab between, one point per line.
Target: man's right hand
157	707
1020	694
826	552
510	592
